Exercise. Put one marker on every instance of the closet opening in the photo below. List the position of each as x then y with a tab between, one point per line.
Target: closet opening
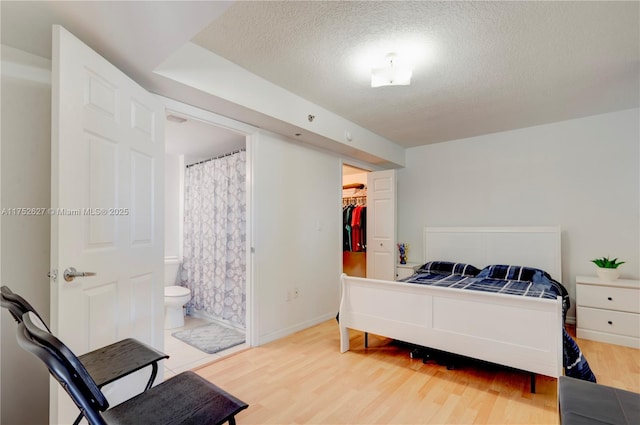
354	221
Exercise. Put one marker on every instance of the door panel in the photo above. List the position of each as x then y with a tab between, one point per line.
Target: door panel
99	315
102	188
141	199
381	225
107	184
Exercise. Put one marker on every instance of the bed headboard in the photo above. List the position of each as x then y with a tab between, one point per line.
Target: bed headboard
537	247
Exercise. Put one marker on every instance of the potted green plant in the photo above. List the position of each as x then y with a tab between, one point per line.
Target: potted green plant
607	269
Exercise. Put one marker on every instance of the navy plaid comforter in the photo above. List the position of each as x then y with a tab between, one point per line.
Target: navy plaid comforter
540	285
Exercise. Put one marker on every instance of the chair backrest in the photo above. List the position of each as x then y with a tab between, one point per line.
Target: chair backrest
65	367
17	305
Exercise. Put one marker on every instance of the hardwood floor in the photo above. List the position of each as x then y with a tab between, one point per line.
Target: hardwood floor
303	379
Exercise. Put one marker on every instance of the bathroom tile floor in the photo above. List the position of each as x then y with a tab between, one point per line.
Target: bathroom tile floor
185	357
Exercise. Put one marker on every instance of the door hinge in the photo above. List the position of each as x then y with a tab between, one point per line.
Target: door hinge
53	274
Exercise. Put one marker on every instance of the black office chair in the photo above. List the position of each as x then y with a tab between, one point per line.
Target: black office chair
104	365
183	399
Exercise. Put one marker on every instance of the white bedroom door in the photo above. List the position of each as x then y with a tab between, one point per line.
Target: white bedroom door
107	199
381	225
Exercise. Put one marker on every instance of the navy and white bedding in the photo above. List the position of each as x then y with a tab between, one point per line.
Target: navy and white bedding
513	280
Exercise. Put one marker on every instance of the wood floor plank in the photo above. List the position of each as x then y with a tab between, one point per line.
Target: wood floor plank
304	379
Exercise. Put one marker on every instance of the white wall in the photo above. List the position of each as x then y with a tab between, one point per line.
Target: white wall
580	174
25	169
354	178
173	200
297	236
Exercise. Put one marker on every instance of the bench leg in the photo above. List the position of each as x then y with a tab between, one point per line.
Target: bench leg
78	419
154	372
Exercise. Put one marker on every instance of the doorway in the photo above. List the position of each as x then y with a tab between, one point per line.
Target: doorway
193	144
354	204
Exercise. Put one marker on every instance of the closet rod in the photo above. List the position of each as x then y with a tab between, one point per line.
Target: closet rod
358	200
216	157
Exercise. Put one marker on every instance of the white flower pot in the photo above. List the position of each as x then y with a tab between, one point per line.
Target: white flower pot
607	275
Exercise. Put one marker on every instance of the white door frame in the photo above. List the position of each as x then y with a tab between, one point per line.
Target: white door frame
250	134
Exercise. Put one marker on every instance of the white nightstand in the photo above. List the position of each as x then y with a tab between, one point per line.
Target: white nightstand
406	270
608	311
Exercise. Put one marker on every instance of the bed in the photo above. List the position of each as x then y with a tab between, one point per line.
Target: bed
521	332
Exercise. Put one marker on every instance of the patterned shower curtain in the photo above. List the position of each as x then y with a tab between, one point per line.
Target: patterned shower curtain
214	265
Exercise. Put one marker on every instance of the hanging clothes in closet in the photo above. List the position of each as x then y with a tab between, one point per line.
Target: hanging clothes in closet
354	215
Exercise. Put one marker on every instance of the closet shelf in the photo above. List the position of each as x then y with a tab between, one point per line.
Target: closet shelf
353	186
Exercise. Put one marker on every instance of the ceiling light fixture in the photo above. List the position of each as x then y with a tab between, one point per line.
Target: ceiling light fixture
394	73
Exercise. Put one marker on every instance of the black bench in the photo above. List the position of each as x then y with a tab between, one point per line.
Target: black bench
587	403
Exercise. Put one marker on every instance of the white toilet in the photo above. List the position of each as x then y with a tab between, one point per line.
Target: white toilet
175	297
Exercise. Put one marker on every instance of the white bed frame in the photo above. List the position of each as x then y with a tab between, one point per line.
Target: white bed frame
520	332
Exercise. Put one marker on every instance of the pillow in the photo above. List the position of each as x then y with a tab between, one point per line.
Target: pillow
447	267
507	272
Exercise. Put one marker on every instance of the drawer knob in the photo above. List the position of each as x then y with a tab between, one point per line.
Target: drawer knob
610	322
610	299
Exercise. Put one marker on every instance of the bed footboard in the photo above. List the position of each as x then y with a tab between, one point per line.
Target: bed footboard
520	332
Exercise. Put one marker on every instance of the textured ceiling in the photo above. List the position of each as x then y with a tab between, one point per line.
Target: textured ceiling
480	67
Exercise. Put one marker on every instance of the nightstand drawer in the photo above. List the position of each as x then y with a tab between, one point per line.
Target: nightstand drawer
406	270
621	299
614	322
401	273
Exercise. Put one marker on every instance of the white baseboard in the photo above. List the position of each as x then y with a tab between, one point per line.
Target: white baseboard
281	333
624	340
